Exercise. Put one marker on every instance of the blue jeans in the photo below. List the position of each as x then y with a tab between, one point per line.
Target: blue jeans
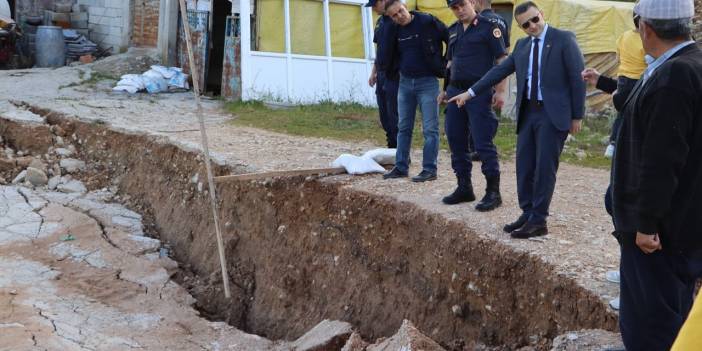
423	92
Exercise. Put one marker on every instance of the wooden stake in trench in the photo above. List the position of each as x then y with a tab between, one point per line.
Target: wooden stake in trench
205	148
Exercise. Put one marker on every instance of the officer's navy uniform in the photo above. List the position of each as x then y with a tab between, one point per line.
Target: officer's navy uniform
387	79
473	52
502	24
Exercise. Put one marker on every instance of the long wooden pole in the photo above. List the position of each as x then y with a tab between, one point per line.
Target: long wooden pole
205	148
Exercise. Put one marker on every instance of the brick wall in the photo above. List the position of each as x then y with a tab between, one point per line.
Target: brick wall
108	21
145	22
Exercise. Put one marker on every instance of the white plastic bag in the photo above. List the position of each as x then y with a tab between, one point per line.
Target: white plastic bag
382	156
358	165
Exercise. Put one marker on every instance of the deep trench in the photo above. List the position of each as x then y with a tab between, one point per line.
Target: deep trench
301	250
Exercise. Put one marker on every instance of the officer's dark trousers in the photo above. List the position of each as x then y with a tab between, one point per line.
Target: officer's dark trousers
539	146
656	295
386	95
476	118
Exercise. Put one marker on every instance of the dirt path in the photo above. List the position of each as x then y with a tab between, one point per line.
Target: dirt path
579	245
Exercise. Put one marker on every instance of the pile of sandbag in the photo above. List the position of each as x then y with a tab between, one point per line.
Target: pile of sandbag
158	79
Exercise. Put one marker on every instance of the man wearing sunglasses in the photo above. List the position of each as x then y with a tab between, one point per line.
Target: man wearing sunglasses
550	103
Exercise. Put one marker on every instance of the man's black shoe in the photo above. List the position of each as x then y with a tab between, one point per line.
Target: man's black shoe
530	230
394	173
463	193
474	156
424	176
492	198
520	222
489	202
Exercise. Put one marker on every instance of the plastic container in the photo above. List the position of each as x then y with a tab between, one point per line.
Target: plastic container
50	47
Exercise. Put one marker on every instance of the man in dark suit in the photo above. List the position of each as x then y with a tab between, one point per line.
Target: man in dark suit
551	103
656	192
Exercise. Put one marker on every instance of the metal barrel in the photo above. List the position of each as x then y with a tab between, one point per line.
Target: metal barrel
50	47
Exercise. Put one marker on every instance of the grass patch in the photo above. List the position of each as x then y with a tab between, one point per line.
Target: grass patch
89	80
354	122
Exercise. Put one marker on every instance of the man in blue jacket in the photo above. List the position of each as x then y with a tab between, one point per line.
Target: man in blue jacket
551	103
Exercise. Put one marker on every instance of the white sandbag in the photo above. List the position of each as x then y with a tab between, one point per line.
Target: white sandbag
155	85
166	72
382	156
128	88
134	80
179	81
357	165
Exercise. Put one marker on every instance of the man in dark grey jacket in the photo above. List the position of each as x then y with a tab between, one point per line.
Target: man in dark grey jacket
551	103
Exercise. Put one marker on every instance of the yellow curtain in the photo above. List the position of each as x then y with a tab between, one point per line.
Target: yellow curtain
346	30
307	27
270	26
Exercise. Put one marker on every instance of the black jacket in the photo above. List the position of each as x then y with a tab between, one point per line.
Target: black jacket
385	34
610	85
657	167
434	37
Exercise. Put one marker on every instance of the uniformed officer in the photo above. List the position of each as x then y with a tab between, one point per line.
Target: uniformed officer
385	75
484	8
475	46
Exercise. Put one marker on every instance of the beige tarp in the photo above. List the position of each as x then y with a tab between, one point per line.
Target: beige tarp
596	24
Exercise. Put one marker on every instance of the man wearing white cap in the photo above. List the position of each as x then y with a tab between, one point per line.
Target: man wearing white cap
657	165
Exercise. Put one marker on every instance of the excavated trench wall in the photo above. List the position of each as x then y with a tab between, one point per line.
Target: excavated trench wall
302	250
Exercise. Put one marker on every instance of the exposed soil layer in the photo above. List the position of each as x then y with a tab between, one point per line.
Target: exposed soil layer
302	250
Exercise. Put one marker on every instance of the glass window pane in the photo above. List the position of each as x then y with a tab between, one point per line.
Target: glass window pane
270	26
346	24
307	27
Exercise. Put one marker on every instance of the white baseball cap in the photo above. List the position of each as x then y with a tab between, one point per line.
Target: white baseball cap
665	9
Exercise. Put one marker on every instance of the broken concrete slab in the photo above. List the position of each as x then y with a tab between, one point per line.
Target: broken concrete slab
72	165
588	340
328	335
36	177
63	152
20	177
72	186
53	182
408	337
355	343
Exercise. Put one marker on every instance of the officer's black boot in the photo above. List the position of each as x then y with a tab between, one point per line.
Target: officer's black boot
463	193
492	198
